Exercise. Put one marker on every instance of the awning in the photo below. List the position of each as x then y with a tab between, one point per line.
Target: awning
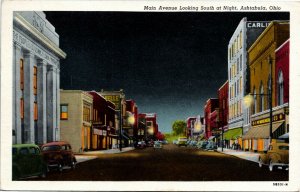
233	133
284	136
262	131
211	137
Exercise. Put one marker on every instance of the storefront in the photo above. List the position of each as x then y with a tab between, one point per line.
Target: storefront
233	137
257	138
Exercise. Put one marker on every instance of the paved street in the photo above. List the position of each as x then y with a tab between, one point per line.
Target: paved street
172	163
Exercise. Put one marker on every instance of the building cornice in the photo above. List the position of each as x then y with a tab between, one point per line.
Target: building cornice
41	37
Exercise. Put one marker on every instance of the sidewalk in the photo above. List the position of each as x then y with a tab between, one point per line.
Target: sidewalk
250	156
89	155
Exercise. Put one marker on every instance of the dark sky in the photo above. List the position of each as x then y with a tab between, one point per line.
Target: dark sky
169	63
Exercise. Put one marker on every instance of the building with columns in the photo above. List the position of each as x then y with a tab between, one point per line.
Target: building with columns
36	68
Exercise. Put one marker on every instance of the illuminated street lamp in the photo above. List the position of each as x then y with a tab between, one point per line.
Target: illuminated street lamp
131	119
248	99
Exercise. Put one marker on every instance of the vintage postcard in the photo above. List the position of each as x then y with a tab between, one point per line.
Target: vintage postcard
150	95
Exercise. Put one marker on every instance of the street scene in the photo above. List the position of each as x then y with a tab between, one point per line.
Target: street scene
171	163
144	96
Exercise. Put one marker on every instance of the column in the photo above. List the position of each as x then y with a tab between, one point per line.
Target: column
51	103
28	136
17	95
58	103
41	100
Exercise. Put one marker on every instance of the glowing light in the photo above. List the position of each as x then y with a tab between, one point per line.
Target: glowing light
131	119
248	100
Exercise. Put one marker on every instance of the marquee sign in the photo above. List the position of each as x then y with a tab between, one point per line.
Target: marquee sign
278	117
115	99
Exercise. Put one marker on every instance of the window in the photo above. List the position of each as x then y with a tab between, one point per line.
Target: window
21	74
34	151
238	87
255	102
34	80
241	85
280	88
24	151
241	39
35	111
63	112
261	97
241	61
22	108
238	65
86	113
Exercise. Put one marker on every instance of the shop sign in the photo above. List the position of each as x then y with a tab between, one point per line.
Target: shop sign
104	132
115	99
278	117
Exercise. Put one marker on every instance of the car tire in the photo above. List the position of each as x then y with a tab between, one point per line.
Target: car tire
271	167
73	164
60	167
260	163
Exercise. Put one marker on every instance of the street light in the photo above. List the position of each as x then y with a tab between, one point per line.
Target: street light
248	99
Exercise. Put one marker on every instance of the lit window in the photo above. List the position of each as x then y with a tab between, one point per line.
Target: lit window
64	112
34	80
22	108
35	111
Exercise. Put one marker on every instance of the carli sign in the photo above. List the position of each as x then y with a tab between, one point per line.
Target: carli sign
257	24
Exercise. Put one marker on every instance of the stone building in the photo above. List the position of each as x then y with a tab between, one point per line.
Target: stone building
36	72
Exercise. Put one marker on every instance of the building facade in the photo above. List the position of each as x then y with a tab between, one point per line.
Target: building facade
76	119
190	125
238	72
132	118
262	62
118	99
151	126
210	124
103	123
36	72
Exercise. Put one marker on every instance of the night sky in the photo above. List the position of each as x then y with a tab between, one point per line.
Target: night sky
169	63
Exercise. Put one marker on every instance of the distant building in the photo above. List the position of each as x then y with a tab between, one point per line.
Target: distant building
141	132
211	126
132	118
76	113
151	125
118	99
190	125
36	79
103	123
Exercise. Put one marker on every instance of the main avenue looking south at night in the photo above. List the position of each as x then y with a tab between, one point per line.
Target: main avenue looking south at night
151	96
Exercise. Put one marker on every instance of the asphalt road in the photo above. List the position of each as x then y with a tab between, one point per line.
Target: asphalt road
171	163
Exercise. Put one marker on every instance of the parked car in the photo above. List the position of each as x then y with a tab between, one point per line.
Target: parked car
277	156
27	161
211	146
202	144
58	155
141	145
150	143
157	145
182	141
175	142
164	142
192	143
